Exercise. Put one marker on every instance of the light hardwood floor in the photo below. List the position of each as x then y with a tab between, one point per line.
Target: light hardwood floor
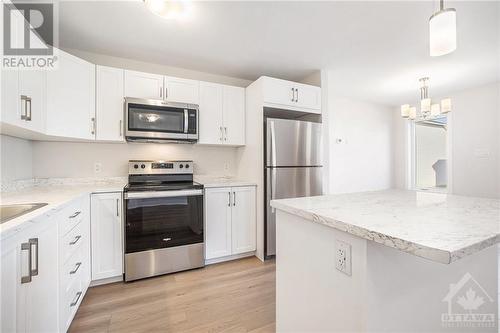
236	296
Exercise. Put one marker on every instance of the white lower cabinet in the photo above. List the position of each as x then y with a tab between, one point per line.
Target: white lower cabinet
38	271
230	221
107	235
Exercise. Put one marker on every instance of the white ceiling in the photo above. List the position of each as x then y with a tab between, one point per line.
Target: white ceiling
377	51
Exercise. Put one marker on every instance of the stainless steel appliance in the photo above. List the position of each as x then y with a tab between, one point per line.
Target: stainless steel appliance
151	120
292	166
163	220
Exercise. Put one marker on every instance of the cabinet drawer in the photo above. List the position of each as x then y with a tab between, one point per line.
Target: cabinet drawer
72	242
70	301
71	215
72	269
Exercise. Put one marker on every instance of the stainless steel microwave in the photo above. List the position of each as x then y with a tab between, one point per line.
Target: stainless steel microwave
152	120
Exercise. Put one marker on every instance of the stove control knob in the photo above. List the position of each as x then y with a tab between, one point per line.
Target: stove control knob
187	166
143	166
181	166
136	166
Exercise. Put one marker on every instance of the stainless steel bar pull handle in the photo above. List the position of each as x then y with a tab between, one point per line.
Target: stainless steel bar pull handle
221	133
26	247
24	107
229	199
77	267
121	128
225	131
75	215
28	102
77	238
297	95
161	91
293	94
34	242
117	207
92	121
234	198
75	302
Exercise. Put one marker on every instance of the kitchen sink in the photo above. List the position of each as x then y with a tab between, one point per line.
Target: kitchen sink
8	212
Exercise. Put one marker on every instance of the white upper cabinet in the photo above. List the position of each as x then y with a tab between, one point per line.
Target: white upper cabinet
210	123
107	235
222	114
71	98
143	85
109	104
291	95
182	90
233	110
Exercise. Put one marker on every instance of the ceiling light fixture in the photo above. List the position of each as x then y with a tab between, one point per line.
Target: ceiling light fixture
428	110
169	9
443	31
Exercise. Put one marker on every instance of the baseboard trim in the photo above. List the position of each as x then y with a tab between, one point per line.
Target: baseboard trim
229	258
113	279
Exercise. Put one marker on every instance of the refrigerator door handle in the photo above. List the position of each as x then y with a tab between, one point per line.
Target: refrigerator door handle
273	145
273	186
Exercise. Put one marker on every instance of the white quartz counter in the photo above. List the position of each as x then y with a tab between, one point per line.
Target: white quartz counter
439	227
221	181
55	194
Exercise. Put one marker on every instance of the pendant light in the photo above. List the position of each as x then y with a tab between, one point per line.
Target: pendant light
443	31
428	110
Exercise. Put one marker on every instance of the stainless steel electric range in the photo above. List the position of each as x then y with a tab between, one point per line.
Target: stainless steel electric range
163	220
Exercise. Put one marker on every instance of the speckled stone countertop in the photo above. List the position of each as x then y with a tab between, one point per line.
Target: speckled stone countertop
439	227
55	192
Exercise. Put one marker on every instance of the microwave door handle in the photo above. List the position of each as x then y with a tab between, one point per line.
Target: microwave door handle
186	125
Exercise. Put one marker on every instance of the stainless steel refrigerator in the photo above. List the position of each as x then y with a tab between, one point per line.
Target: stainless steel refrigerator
292	166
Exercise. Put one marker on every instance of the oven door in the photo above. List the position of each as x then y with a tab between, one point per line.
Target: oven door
163	219
156	119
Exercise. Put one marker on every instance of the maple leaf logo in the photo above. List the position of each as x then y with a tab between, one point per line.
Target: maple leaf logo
470	301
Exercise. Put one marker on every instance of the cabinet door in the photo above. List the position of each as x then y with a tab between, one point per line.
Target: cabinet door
182	90
41	292
71	98
106	235
143	85
234	115
308	97
23	99
217	222
11	299
109	104
33	84
243	216
278	91
210	123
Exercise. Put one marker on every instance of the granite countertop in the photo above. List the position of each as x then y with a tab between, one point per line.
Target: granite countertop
55	193
221	181
439	227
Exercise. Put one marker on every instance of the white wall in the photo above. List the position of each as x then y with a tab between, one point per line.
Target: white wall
106	60
71	159
363	160
16	158
475	143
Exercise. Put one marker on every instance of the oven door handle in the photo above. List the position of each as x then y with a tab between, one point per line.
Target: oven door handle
162	194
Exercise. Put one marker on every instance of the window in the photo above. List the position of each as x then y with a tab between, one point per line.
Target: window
431	155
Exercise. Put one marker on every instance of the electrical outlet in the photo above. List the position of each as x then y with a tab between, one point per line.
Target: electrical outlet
97	167
343	257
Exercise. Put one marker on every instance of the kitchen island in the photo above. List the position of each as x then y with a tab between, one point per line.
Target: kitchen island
410	262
